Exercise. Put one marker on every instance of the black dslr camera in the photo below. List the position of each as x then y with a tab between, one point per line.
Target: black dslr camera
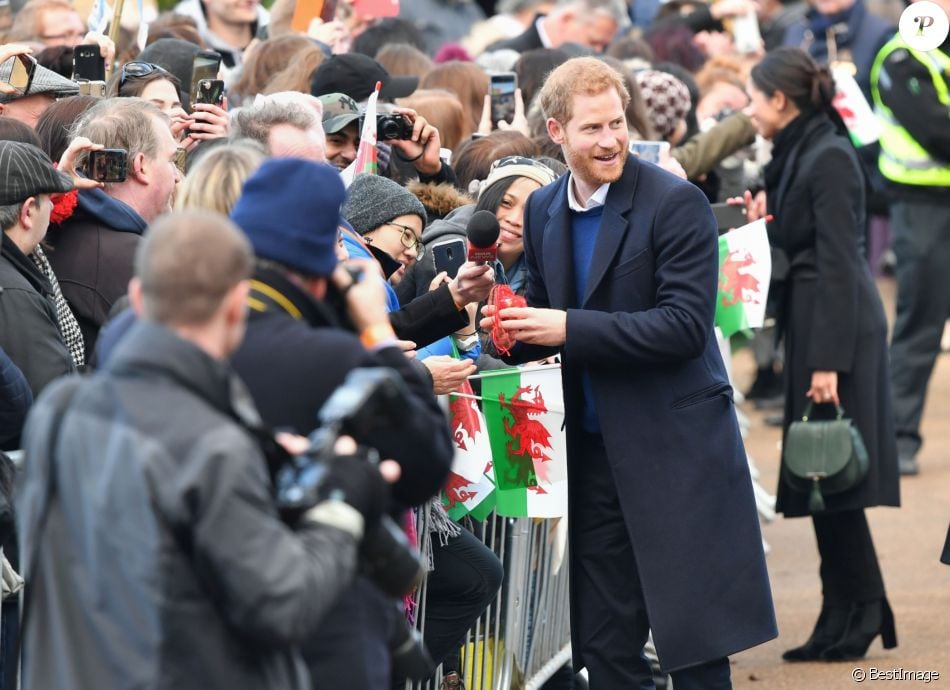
369	401
390	127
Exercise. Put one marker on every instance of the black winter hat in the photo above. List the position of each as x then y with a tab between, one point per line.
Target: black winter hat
356	75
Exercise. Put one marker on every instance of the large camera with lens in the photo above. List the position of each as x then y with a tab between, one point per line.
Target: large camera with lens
369	402
390	127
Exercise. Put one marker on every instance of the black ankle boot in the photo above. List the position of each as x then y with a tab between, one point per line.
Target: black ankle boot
830	627
865	622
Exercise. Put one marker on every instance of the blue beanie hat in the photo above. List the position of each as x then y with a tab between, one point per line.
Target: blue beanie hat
290	210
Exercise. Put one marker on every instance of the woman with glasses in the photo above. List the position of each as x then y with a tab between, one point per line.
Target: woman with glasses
163	89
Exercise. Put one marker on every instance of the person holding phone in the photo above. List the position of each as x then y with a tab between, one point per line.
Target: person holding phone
96	244
835	336
163	89
39	87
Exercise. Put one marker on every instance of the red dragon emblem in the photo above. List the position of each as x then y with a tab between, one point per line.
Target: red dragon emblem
840	104
734	284
529	438
456	490
463	413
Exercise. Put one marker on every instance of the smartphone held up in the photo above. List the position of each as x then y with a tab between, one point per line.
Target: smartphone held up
17	72
502	88
108	165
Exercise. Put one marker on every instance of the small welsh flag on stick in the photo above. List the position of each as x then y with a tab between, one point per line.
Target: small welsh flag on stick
745	268
365	161
524	410
469	489
863	125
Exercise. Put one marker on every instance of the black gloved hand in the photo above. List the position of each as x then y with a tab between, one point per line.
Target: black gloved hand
357	482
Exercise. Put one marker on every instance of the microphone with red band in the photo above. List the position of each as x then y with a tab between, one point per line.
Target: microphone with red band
482	232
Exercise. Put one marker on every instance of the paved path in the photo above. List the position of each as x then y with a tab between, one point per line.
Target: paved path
908	540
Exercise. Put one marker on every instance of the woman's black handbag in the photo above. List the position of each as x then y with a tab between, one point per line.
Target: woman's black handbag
824	457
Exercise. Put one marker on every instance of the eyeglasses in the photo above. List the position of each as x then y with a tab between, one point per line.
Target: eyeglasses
409	239
137	70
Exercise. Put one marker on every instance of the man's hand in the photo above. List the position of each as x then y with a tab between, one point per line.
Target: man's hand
425	140
67	163
448	373
366	298
472	283
530	325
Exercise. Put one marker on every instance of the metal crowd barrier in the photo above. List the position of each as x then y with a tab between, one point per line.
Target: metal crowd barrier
524	635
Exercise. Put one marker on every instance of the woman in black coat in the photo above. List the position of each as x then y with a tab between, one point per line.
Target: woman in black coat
835	336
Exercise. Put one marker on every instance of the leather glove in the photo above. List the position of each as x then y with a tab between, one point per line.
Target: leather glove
355	481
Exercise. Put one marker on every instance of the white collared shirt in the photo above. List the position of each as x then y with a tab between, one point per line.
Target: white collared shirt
542	34
598	198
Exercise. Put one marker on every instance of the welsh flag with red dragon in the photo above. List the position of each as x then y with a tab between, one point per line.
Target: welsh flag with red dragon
469	489
745	269
524	411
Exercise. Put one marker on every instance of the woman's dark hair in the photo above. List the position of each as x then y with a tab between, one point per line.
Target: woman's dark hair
55	124
491	197
532	69
57	58
793	72
134	86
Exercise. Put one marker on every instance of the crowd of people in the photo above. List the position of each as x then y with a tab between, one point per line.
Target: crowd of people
242	256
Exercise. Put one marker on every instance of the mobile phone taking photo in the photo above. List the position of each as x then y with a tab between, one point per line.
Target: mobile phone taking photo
18	72
205	67
108	165
88	63
502	89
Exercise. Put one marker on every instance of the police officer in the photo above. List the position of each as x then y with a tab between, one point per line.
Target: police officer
912	98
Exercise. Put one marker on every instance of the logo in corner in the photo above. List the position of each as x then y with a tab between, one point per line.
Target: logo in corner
924	25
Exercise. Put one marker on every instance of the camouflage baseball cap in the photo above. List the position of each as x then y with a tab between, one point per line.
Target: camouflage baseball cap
339	110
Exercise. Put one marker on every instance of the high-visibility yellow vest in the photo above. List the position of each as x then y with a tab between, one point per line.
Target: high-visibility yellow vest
902	159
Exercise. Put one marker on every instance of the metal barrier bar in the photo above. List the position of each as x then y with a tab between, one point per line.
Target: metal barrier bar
523	637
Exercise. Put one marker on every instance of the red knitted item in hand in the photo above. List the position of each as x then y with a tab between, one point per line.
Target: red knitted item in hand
503	297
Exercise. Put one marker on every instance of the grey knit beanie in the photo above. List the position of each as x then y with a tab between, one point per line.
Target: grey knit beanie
373	200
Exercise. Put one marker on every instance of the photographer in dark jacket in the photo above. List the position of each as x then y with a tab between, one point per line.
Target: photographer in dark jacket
153	550
296	353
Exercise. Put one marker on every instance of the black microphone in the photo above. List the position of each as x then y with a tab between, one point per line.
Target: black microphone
482	234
